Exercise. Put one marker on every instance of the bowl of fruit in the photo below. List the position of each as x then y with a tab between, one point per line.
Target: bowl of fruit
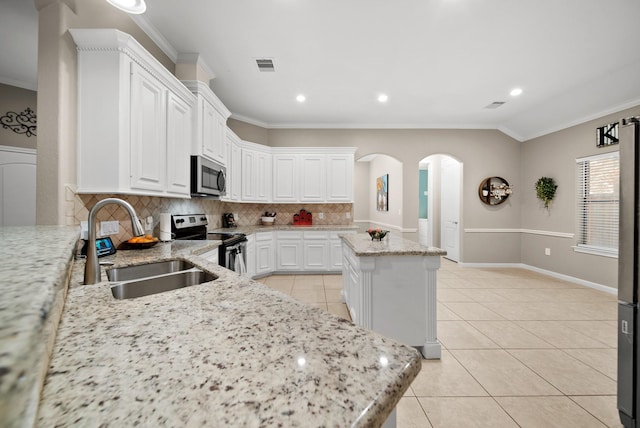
146	241
377	234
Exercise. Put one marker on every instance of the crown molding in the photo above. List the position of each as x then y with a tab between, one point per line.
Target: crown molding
611	110
156	36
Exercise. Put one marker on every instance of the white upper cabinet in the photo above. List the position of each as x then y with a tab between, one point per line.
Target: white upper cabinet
312	177
210	123
263	176
134	119
313	174
256	173
148	136
285	177
178	149
248	175
234	167
340	177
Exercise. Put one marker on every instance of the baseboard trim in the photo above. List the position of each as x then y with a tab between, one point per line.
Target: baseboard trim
550	273
526	231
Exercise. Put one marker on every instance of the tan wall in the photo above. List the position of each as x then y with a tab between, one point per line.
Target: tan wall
17	100
554	155
483	153
361	196
248	132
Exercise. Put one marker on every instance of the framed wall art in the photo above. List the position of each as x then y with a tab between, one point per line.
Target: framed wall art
382	193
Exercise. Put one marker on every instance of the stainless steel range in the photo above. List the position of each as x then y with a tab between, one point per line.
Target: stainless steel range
232	252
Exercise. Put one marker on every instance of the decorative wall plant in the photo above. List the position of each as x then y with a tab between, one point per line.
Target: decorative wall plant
546	190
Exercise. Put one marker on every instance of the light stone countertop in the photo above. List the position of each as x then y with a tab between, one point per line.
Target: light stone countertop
34	268
391	245
231	352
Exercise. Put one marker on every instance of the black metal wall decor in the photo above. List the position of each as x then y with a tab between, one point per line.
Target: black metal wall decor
20	123
607	135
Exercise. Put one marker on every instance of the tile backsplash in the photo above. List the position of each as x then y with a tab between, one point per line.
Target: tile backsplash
248	214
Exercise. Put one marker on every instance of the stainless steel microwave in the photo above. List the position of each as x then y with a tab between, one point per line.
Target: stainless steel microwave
208	178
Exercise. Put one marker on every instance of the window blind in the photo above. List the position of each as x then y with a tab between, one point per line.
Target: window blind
598	190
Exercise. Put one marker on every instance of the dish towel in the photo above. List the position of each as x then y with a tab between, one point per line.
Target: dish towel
239	266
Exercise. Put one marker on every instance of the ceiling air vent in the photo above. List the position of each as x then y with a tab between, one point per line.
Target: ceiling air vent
495	104
265	65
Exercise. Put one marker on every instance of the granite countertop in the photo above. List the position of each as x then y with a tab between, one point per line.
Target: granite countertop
248	230
231	352
391	245
34	268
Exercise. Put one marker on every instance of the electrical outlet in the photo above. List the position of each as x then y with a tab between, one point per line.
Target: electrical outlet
84	230
320	216
547	251
148	225
109	228
348	215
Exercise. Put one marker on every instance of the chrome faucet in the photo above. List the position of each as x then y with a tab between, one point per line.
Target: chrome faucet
92	268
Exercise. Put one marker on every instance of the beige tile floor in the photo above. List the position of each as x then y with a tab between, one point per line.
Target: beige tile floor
520	349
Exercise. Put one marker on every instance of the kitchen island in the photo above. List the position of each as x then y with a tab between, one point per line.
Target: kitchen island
390	287
231	352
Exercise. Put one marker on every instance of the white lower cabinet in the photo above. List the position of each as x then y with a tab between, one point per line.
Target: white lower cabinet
316	251
264	253
350	281
289	251
335	255
211	256
394	296
251	256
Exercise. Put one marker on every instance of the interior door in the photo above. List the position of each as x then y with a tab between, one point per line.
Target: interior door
17	187
451	171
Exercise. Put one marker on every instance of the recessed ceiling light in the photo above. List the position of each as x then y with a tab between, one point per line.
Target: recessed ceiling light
130	6
383	98
515	92
301	98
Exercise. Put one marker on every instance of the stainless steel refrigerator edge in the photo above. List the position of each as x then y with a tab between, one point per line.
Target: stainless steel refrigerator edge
628	353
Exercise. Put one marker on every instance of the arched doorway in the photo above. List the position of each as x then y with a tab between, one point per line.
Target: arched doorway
440	191
369	209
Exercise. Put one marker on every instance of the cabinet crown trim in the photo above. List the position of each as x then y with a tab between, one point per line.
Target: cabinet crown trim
200	88
110	39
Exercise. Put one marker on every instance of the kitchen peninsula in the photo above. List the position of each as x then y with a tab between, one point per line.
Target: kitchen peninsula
231	352
390	287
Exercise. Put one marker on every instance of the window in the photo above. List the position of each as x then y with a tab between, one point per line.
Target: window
598	203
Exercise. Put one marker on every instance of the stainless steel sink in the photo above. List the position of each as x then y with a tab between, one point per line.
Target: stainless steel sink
128	273
160	283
